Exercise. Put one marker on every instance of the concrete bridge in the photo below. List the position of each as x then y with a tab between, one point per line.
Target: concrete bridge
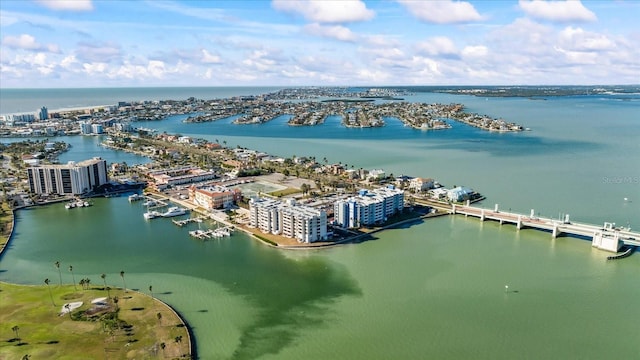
607	237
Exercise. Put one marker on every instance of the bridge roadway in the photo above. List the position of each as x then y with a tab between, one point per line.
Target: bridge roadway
606	237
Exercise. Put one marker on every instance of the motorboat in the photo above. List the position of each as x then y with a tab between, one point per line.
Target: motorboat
149	203
135	197
174	211
151	215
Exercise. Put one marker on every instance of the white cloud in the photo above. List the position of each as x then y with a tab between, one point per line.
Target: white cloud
68	61
579	40
28	42
442	11
323	11
560	11
156	68
437	46
260	60
72	5
94	68
337	32
373	76
475	51
209	58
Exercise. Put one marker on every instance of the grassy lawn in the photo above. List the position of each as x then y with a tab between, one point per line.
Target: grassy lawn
6	219
285	192
134	330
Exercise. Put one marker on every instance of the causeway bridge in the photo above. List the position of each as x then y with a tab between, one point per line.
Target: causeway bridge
607	237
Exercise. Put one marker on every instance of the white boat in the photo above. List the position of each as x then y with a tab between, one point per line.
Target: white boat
69	205
149	203
87	204
135	197
174	211
151	215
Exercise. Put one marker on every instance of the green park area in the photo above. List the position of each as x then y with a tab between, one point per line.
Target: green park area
87	322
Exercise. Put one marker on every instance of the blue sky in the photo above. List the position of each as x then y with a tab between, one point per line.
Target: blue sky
92	43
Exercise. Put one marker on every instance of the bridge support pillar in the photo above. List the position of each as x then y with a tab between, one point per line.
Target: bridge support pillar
482	215
496	208
468	202
533	214
555	232
501	221
519	223
453	209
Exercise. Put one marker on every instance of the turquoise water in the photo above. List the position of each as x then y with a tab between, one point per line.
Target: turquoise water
434	289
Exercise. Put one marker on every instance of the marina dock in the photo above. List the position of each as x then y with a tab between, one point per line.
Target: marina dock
212	233
184	222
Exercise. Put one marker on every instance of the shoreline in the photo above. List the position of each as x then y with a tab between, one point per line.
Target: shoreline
10	236
182	323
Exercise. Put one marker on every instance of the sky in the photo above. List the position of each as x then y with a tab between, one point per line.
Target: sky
94	43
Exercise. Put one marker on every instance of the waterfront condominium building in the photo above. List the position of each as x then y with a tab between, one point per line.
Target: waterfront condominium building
70	179
303	223
369	207
214	197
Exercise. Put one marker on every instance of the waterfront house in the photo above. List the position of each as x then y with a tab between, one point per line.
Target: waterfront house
459	194
421	184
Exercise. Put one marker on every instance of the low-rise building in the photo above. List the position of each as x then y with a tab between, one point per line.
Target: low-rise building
421	184
185	175
459	194
214	197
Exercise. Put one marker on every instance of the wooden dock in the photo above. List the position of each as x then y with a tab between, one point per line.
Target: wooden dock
184	222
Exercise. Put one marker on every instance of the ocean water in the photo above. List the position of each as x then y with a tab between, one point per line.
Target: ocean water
31	100
432	289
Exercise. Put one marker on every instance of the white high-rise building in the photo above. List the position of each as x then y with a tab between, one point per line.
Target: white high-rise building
369	207
85	128
304	223
70	179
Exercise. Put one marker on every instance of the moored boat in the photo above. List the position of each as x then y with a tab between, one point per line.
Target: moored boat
174	211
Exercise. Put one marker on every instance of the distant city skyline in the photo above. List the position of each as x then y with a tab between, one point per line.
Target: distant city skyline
85	43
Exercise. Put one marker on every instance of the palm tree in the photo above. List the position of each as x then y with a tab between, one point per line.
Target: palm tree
124	284
159	315
57	264
115	301
104	280
46	281
151	291
73	277
82	283
15	331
